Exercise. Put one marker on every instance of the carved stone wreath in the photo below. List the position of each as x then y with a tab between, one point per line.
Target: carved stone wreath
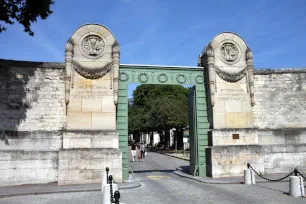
143	80
92	74
230	77
92	46
162	78
199	79
181	78
229	52
124	77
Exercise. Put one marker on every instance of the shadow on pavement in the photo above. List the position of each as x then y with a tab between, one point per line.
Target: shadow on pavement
185	169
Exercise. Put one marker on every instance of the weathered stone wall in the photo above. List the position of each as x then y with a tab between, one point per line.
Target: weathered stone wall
231	160
77	166
32	96
227	161
32	115
28	167
280	98
284	158
292	136
31	141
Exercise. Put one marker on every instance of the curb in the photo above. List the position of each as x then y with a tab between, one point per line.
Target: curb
135	184
180	173
47	192
184	175
172	156
122	186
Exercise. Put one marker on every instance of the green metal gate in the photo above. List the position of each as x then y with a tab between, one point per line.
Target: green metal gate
197	106
197	132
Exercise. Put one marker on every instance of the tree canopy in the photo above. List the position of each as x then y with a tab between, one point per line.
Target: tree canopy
158	108
24	12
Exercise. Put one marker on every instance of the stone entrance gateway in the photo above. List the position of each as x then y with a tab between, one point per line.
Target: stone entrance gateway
97	106
66	122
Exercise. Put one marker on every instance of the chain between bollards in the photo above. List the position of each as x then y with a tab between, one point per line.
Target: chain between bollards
111	188
294	171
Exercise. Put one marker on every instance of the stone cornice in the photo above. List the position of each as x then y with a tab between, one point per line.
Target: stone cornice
31	64
279	71
61	65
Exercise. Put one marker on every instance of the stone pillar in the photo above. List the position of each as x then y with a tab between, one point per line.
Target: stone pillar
228	63
211	73
249	59
68	68
90	141
116	61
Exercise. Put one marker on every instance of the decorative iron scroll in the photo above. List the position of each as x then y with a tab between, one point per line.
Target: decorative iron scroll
92	74
230	77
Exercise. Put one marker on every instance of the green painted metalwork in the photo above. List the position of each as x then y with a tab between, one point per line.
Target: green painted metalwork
143	74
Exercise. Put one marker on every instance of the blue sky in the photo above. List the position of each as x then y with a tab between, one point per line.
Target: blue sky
169	32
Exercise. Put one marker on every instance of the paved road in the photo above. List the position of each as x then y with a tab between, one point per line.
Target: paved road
161	186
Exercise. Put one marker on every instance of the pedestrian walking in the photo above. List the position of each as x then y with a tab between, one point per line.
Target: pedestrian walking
142	151
133	151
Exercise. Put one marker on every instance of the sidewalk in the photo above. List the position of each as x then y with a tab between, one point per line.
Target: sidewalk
29	189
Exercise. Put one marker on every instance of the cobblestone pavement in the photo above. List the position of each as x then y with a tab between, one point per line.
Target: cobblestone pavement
161	186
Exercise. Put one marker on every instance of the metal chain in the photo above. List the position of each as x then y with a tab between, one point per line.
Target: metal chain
111	188
301	187
302	175
270	179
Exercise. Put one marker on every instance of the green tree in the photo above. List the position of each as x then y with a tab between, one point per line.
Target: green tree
158	108
24	12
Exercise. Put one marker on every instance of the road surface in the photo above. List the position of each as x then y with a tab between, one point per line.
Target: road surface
161	186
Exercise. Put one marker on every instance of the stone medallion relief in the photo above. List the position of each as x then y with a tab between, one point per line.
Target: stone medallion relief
92	46
229	52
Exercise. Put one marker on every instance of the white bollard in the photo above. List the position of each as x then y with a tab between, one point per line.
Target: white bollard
247	177
296	186
104	181
106	193
253	177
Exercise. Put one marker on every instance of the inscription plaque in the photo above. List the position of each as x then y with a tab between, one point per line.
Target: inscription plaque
232	94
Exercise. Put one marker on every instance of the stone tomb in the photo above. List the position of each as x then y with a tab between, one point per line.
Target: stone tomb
90	141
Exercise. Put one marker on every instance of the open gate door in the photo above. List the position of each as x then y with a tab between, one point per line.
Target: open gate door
192	119
197	118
